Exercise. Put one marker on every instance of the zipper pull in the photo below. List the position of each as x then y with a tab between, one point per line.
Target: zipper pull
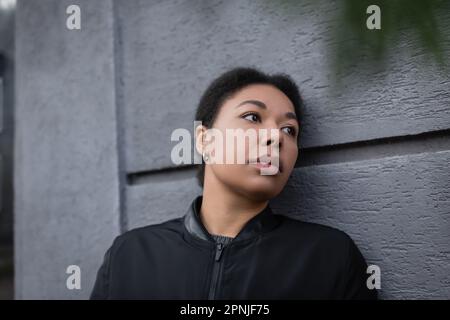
219	249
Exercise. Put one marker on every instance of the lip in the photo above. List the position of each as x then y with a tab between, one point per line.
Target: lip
264	162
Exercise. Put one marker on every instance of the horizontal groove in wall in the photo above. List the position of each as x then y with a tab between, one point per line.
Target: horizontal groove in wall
162	175
432	141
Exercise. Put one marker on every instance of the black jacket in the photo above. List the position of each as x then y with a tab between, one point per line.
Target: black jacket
273	257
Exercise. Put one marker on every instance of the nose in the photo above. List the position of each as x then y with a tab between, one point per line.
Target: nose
274	139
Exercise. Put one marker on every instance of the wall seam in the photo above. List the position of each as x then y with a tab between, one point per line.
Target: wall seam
119	104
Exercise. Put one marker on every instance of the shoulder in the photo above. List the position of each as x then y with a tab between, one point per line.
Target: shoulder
344	259
149	233
316	233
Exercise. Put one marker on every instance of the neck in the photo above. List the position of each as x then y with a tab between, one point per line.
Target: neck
224	212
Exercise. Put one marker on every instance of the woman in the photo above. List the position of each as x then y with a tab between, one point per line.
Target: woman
229	244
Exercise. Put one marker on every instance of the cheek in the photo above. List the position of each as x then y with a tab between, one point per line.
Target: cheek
233	148
230	174
290	154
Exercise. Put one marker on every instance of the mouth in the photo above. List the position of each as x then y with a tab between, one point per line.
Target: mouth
266	163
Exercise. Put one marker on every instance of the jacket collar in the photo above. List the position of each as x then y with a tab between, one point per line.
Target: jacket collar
264	221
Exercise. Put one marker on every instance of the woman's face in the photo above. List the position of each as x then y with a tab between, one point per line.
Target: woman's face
255	107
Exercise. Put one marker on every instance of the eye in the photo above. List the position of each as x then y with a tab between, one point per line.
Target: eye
291	131
253	117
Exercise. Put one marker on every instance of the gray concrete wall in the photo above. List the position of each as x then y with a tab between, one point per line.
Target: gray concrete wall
66	174
377	152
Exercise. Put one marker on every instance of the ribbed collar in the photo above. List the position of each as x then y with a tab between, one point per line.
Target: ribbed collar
264	221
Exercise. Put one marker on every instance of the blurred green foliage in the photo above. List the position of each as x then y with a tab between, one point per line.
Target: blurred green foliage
423	20
423	24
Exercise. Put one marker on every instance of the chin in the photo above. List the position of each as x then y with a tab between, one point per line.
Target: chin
261	189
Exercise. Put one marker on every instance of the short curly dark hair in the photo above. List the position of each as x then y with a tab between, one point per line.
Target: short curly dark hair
229	83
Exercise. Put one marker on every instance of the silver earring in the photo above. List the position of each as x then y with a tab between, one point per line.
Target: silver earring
205	157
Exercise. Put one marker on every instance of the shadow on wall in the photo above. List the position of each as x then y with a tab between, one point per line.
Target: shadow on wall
6	148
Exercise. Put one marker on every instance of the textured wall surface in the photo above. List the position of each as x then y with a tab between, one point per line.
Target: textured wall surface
149	61
396	209
167	63
66	180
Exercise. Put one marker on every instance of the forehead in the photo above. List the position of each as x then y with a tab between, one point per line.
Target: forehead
270	95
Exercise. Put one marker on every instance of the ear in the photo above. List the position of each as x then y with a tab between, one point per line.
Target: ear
200	132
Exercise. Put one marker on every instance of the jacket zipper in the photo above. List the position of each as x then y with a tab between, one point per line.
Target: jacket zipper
215	271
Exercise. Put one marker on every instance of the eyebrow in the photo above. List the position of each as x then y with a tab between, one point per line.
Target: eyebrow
262	105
